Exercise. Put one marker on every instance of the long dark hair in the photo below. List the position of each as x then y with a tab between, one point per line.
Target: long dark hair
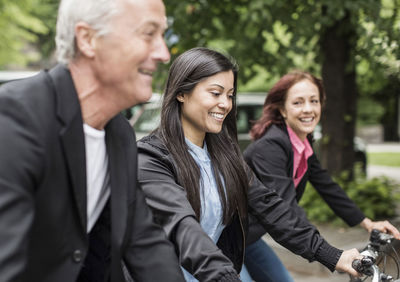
186	72
275	101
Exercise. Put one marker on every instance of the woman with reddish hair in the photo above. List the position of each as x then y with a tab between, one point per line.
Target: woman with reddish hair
282	157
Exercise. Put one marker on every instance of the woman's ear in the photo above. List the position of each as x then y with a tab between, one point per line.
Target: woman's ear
180	97
283	113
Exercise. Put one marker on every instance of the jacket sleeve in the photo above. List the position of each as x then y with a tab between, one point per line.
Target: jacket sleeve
333	194
150	256
197	252
21	167
284	220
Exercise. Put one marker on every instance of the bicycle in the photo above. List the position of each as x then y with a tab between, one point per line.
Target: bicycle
375	261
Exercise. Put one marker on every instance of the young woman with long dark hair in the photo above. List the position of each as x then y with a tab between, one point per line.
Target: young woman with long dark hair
282	158
198	185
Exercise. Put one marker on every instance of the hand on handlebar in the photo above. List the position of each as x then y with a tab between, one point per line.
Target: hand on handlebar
364	265
345	261
383	226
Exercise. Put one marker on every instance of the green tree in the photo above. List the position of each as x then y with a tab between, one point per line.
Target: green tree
19	30
326	37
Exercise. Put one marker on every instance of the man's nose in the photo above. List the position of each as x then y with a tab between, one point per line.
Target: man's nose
161	52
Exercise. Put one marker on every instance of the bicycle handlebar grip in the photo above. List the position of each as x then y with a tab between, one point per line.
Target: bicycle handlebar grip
374	236
357	265
363	265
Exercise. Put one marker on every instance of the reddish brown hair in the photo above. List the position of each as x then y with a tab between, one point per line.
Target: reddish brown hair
276	98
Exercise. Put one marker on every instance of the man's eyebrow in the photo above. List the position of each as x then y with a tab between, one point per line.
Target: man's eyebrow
155	24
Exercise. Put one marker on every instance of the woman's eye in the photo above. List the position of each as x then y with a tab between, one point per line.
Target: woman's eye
216	93
315	101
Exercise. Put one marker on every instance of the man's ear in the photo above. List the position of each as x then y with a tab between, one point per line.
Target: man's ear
85	39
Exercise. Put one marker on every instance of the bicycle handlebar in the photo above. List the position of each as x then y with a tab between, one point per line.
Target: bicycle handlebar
367	265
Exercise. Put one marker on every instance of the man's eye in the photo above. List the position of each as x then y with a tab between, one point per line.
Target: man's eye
149	32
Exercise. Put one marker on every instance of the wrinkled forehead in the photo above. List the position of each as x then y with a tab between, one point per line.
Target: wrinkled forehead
143	12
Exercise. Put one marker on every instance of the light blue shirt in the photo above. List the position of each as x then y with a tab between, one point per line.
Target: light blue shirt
211	208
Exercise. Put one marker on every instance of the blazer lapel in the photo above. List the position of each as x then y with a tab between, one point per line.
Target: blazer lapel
119	180
71	135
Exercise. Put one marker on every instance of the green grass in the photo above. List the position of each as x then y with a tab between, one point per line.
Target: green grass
385	159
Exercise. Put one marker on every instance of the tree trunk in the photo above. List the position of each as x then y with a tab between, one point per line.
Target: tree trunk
339	115
389	97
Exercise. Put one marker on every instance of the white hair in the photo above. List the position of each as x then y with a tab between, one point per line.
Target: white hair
96	13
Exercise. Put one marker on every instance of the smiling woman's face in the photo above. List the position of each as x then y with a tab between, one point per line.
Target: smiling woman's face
302	108
205	108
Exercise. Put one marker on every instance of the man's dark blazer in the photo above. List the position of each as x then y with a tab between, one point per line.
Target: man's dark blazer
43	189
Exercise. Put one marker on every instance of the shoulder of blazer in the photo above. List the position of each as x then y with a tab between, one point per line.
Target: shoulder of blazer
153	143
49	93
152	147
274	134
278	133
33	92
33	101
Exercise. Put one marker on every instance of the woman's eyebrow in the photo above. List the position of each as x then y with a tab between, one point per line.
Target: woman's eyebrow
220	86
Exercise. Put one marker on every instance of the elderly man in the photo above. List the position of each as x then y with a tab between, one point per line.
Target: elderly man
70	205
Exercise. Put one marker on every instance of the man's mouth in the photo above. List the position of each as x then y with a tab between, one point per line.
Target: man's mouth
146	72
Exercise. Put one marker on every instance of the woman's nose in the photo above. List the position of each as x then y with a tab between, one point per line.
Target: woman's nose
224	101
307	107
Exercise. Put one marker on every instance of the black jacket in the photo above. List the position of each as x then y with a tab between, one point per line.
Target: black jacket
271	159
198	254
43	190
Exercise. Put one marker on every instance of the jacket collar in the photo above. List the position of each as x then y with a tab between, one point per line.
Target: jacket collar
120	170
71	135
73	143
67	98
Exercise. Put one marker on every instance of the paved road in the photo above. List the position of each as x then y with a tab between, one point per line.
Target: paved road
384	147
391	172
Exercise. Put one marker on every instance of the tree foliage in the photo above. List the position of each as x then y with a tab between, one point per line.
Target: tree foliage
278	35
20	28
335	39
